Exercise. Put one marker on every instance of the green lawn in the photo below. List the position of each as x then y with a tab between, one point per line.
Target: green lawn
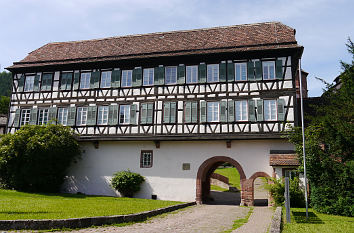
232	174
20	205
218	188
317	222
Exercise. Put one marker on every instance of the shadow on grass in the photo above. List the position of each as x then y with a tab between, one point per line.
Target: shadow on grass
300	217
23	212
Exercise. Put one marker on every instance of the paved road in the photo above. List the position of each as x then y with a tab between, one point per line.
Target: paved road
201	218
258	222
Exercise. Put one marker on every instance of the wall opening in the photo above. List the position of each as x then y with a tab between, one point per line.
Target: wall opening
260	194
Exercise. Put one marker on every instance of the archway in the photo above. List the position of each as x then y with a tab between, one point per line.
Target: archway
206	169
259	195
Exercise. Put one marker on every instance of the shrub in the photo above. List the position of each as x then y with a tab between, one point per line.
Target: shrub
127	182
36	158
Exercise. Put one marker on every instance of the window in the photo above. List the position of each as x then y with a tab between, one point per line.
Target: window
127	78
25	116
106	79
124	114
85	80
270	110
213	73
169	112
241	110
148	76
146	114
192	74
171	75
241	71
46	82
290	172
66	79
63	116
268	70
43	116
81	116
146	159
29	84
213	111
102	115
191	112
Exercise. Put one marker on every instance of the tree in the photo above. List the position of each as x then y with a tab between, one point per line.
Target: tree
5	83
329	146
4	104
36	158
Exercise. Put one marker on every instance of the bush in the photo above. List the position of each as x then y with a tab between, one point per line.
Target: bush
127	182
36	158
276	187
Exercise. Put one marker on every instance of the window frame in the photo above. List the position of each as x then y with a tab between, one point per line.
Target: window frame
241	64
87	77
31	84
267	64
126	118
27	117
270	113
241	112
126	78
79	113
218	73
43	120
218	112
150	79
42	79
66	84
110	79
175	76
196	74
142	165
63	115
106	109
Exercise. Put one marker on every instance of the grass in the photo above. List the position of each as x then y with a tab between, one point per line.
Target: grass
218	188
19	205
317	222
239	222
232	174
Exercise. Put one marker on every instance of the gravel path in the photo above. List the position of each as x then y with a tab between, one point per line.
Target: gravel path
258	222
200	218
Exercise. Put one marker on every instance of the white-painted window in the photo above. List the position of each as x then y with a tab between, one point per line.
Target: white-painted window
102	115
63	116
191	74
29	83
268	70
241	71
270	110
81	116
212	111
124	114
148	76
241	110
25	116
127	78
213	73
85	80
106	77
146	159
171	75
43	116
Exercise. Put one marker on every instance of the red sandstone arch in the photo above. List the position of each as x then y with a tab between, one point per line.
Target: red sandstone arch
207	168
251	180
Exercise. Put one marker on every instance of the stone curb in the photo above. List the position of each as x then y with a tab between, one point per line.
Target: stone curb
276	221
85	222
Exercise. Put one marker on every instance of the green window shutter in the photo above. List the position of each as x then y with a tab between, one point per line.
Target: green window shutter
222	72
21	83
202	73
47	82
281	109
223	105
203	111
258	70
113	114
91	115
251	110
69	80
137	77
279	69
188	112
63	81
156	75
250	71
150	113
230	72
95	79
71	116
231	110
159	75
17	118
166	112
52	115
143	113
259	110
173	112
33	117
133	109
181	71
76	81
194	112
36	83
115	79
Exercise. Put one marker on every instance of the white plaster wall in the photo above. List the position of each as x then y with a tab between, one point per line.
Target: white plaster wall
166	179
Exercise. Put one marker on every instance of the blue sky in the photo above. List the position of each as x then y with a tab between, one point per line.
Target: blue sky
322	26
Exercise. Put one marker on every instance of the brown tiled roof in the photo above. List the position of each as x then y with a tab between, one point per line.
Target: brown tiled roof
261	36
283	160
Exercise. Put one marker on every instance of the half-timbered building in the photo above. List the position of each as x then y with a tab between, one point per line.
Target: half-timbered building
171	106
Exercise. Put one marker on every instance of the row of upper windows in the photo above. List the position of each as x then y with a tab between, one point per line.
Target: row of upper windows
211	73
125	114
